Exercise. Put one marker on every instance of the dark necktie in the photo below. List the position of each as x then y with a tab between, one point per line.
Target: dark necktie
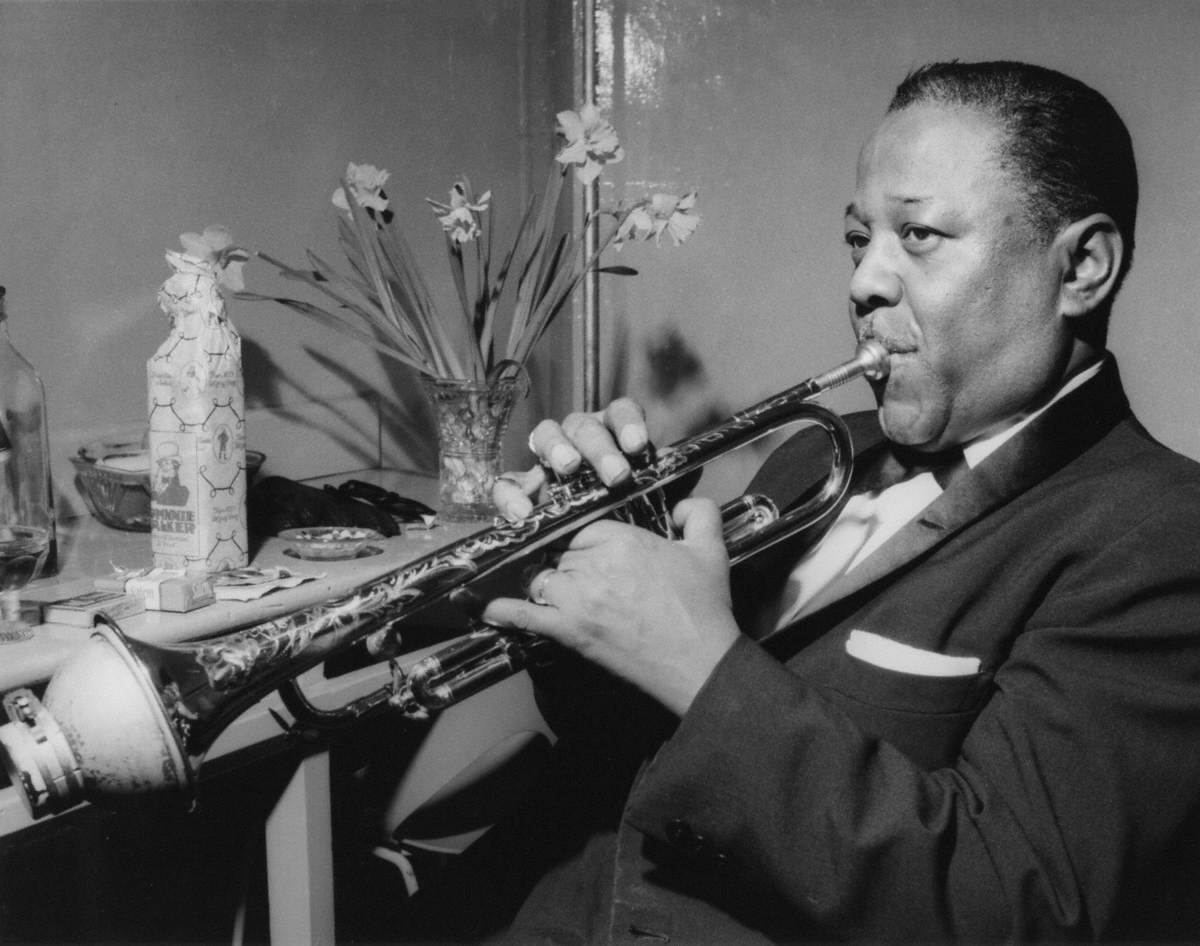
817	568
898	463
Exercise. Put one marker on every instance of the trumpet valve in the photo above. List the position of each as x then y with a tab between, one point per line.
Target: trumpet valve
744	517
565	490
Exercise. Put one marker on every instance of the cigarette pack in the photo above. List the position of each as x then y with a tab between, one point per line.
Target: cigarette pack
162	589
81	610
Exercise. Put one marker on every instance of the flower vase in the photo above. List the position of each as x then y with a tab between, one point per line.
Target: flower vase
471	418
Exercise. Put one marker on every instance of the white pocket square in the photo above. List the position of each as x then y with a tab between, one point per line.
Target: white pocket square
892	655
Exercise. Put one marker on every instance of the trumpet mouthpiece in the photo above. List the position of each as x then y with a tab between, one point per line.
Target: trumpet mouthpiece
874	359
870	359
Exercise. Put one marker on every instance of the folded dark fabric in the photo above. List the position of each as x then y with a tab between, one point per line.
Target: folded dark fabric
277	503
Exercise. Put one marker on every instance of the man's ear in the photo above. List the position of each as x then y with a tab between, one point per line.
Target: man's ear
1092	251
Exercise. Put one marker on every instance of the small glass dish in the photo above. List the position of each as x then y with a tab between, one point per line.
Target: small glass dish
329	542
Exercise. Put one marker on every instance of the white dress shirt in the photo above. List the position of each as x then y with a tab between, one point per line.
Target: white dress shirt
869	519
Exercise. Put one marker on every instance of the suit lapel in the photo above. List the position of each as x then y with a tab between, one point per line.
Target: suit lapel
1062	433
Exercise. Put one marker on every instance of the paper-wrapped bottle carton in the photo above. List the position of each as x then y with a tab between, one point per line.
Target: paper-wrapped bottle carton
197	426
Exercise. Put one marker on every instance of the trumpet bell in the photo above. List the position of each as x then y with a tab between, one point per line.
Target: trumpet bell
61	748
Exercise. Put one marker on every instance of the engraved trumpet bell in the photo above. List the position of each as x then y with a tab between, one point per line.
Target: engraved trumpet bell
98	731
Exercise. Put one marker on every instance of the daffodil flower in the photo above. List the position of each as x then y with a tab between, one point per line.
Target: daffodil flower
458	218
215	248
674	214
638	225
537	273
366	181
591	142
662	213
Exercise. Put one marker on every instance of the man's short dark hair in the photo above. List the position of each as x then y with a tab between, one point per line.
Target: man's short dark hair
1067	145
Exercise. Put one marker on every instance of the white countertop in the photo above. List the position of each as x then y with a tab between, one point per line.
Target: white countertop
88	550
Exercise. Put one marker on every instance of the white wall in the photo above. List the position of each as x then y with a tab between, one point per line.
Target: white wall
763	104
126	122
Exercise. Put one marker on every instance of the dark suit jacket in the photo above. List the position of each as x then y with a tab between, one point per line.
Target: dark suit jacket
1053	795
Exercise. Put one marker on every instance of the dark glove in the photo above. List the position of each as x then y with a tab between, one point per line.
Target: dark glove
277	503
395	505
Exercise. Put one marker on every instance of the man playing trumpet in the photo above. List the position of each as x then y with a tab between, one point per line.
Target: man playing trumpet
968	712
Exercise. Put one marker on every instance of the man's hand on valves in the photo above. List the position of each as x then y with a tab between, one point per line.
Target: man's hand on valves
595	438
652	610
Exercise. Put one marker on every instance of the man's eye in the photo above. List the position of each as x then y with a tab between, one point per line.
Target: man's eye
857	242
920	237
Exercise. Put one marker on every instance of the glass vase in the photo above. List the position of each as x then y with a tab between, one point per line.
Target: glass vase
471	418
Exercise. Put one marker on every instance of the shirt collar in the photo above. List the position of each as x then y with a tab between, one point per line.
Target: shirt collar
977	450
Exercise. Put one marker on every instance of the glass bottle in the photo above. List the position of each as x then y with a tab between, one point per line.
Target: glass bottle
27	540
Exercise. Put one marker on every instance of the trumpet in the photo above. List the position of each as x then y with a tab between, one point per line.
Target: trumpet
123	717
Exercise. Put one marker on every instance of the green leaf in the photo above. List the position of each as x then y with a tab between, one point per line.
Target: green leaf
454	253
408	279
342	325
531	257
496	289
552	301
327	287
367	234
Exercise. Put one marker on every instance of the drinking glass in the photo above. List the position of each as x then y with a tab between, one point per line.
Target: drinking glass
23	552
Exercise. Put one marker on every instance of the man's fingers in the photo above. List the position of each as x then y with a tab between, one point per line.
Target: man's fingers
538	614
700	520
702	527
598	446
553	448
601	439
591	536
522	615
514	492
626	419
